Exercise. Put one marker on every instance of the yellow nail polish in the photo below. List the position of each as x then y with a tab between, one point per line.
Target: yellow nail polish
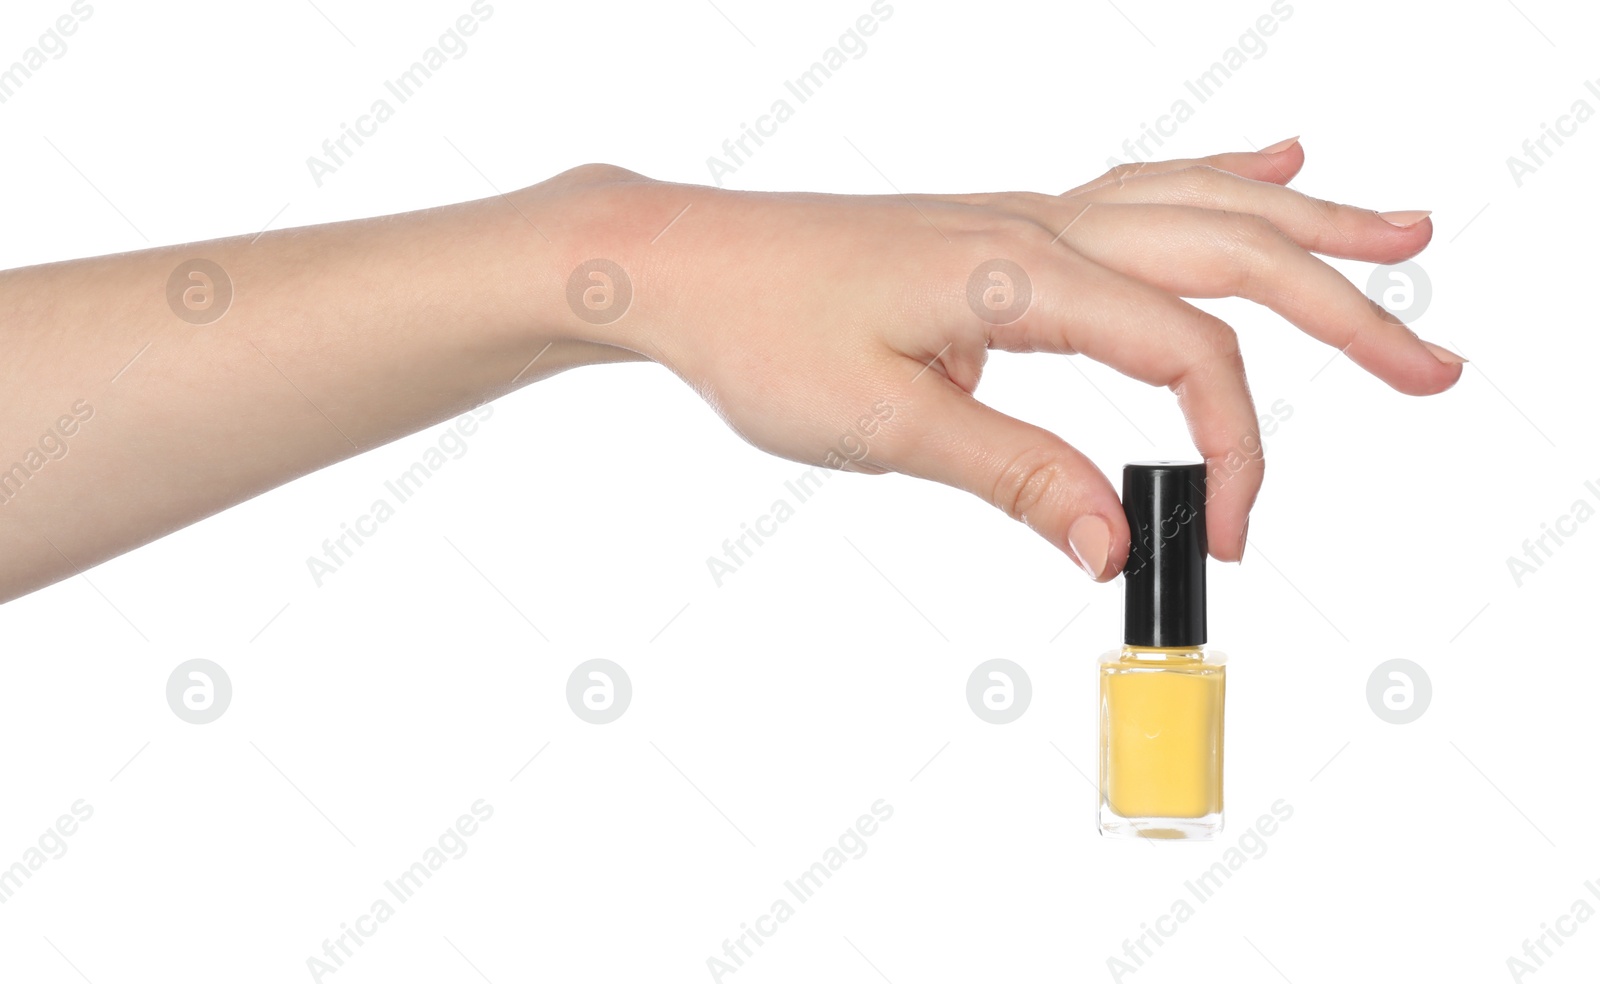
1161	694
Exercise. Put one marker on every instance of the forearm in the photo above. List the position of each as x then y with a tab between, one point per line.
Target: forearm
127	417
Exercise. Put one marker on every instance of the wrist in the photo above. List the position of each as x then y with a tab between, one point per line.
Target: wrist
536	267
590	255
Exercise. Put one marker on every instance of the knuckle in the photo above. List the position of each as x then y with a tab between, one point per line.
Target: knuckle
1125	172
598	173
1249	243
1028	480
1031	203
1248	459
1248	229
1013	228
1002	236
1325	208
1215	359
1204	178
1221	340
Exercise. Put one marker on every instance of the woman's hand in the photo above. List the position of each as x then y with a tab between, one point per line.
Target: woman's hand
848	331
851	331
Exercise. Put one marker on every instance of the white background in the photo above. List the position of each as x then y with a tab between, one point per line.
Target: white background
829	672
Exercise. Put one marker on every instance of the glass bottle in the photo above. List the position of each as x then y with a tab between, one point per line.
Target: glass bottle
1162	693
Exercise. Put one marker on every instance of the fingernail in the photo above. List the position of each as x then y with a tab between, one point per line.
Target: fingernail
1405	220
1089	541
1280	146
1443	354
1243	535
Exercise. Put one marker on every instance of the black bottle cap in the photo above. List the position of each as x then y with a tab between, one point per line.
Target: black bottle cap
1165	601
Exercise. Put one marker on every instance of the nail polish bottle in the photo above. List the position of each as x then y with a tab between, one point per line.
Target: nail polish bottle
1161	694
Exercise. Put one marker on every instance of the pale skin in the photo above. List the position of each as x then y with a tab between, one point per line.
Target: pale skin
793	315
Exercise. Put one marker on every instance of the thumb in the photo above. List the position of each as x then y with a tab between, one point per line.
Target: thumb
1026	471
